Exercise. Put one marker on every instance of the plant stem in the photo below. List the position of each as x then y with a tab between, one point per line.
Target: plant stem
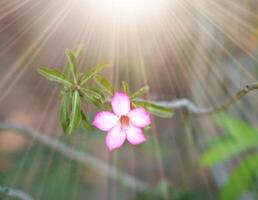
196	110
14	193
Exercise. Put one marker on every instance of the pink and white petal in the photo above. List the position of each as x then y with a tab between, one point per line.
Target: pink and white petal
139	117
115	138
135	135
105	120
120	103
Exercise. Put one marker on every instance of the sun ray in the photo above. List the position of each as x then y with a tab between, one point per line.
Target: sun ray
201	50
30	54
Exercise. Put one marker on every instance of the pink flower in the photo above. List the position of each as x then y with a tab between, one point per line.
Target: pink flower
124	123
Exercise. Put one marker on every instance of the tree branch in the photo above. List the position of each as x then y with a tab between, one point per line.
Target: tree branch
112	172
14	193
195	110
81	157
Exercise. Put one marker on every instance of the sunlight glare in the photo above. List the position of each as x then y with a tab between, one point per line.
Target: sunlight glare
128	9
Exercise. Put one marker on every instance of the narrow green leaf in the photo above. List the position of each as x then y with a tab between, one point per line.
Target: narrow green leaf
241	178
125	87
157	110
97	102
87	76
76	113
85	123
104	84
94	91
54	75
64	111
140	92
72	64
76	52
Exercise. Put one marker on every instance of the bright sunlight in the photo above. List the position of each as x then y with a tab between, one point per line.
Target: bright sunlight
128	10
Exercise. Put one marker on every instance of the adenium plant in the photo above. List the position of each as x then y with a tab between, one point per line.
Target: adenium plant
123	123
129	113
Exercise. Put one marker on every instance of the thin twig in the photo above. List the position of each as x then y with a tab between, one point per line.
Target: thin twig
15	193
194	109
81	157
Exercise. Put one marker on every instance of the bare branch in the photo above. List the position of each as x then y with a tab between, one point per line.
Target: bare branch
81	157
194	109
14	193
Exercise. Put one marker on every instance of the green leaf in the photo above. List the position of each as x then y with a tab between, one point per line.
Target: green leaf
96	101
76	112
87	76
54	75
242	136
140	92
125	87
72	64
157	110
241	131
64	111
104	84
76	52
220	152
94	91
241	178
85	123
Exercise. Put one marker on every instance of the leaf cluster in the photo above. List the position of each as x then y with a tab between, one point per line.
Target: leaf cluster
241	138
77	88
155	109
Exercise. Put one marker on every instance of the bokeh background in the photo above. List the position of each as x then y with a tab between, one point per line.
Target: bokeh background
203	50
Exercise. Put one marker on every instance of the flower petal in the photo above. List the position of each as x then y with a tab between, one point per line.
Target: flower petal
139	117
120	103
105	120
135	135
115	138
